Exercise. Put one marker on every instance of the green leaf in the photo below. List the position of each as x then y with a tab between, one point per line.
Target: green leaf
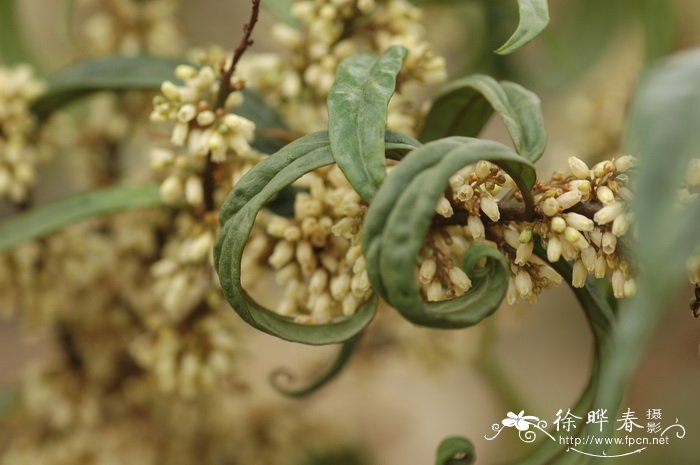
114	73
341	360
13	49
45	219
534	17
282	10
401	214
357	113
463	107
455	451
238	214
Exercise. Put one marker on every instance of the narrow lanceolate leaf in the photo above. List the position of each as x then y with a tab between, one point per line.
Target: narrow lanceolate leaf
282	10
238	213
113	73
357	113
463	107
534	17
43	220
401	215
341	360
13	49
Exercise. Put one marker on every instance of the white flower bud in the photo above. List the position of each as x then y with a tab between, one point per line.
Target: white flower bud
476	227
618	284
579	222
550	207
435	292
601	267
160	158
444	208
588	257
578	278
171	189
608	213
170	90
490	208
609	243
630	288
620	225
318	281
624	163
523	253
554	249
460	279
185	72
579	168
582	185
200	247
558	224
179	135
205	118
281	254
340	286
194	193
569	199
605	195
523	283
186	113
350	305
511	236
464	192
573	235
483	169
427	271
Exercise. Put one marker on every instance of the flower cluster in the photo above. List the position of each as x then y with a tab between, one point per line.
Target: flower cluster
130	27
204	129
317	253
330	31
18	153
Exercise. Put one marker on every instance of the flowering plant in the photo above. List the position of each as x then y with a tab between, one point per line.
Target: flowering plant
328	169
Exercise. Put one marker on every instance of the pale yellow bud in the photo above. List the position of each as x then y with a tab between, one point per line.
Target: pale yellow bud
630	288
427	271
464	192
609	243
554	249
620	225
194	193
605	195
459	278
558	224
435	292
490	208
601	267
578	278
573	235
171	189
170	90
282	253
579	222
579	168
588	257
318	281
550	207
523	253
618	284
483	169
569	199
444	208
523	283
340	286
624	163
608	213
476	227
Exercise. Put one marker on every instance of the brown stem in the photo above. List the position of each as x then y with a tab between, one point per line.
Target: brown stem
225	89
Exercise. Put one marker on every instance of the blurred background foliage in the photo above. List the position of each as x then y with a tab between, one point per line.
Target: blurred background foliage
399	401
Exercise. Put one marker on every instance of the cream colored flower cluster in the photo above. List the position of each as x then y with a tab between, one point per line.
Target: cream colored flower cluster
330	31
19	153
317	253
129	27
581	216
204	130
591	238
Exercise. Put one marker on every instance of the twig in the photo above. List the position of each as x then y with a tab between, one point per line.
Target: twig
225	89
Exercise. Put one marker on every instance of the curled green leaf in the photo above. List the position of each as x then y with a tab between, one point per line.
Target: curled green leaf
455	451
45	219
357	113
238	213
463	107
401	214
534	17
341	360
